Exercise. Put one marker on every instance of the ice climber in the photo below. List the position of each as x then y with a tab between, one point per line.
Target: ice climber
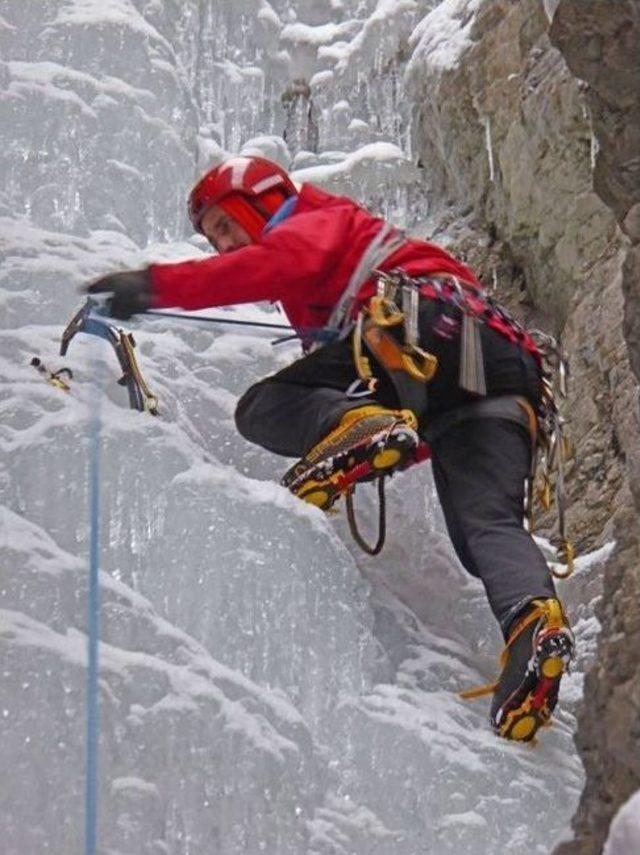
401	347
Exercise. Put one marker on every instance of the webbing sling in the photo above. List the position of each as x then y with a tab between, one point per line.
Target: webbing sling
387	241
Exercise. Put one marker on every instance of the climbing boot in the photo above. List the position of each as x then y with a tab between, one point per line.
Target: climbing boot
368	442
539	649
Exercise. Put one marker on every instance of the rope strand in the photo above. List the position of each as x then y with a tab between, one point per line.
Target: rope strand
214	320
93	612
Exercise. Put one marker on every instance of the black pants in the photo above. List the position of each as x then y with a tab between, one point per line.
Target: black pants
479	463
479	467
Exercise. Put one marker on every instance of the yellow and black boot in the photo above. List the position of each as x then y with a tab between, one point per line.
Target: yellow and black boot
368	442
539	650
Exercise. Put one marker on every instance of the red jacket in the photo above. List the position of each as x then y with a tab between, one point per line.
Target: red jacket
305	262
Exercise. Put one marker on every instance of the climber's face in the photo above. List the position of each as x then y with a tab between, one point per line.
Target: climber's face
223	232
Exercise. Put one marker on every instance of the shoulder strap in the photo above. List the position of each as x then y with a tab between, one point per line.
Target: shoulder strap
384	244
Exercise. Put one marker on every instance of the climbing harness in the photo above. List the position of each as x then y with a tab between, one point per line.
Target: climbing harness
410	369
60	378
391	311
87	320
476	308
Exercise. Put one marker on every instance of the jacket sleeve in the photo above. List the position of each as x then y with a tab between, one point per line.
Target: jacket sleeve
294	257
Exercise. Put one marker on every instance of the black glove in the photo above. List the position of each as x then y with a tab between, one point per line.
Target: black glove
130	292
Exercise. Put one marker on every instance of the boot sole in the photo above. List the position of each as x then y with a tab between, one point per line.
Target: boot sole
522	721
323	485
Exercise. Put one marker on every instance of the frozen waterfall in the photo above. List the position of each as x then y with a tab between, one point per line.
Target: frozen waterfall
263	687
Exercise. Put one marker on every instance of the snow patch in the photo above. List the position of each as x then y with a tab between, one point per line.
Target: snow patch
387	156
624	833
441	38
322	34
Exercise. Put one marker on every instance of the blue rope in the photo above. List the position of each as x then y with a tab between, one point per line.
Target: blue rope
91	803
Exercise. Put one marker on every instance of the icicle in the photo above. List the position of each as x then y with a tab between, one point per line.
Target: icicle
488	142
595	148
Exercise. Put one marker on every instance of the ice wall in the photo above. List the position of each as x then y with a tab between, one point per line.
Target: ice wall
263	689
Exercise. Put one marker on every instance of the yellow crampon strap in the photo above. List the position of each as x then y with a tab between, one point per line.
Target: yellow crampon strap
554	615
479	692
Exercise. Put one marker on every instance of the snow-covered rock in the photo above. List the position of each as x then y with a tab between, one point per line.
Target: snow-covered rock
624	834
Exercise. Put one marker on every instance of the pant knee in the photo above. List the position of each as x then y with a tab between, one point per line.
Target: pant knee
247	410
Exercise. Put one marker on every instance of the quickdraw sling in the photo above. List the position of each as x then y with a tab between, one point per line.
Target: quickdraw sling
553	449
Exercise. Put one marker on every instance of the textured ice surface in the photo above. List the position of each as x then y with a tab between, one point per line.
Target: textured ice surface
264	688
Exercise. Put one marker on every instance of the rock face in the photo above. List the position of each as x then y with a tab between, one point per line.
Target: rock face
601	44
534	171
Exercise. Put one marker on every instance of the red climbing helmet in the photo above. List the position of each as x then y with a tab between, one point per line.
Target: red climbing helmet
249	189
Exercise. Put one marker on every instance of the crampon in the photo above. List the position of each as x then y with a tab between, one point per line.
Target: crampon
370	442
538	652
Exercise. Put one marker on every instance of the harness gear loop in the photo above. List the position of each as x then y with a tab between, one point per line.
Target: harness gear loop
418	364
382	520
553	446
384	312
362	363
408	366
